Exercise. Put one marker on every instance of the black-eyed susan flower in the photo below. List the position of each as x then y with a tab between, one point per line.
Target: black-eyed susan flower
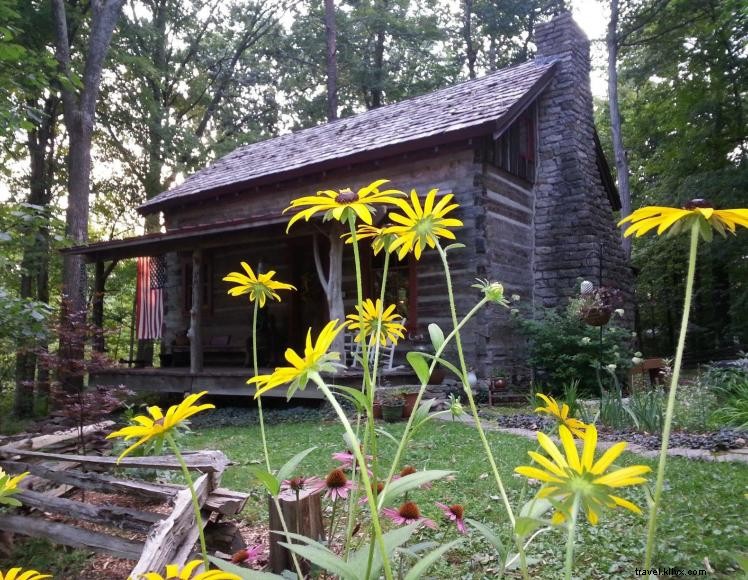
316	359
408	513
493	291
376	323
568	477
561	415
678	220
21	574
342	204
8	487
159	424
259	287
419	225
173	572
380	239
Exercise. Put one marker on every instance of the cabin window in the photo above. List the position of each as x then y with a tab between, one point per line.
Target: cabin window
187	284
514	151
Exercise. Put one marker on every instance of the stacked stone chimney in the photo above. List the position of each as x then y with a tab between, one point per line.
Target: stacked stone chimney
575	231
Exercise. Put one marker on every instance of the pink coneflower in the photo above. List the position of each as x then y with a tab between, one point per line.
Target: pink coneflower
379	486
299	486
408	513
347	459
248	554
455	513
337	485
410	470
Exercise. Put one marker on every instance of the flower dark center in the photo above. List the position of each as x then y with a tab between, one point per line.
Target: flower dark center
296	483
379	485
336	478
346	196
457	510
698	202
409	510
239	556
407	470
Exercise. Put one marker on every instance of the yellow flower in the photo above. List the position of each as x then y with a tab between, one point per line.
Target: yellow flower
316	359
259	287
19	574
421	226
9	486
561	414
158	424
372	314
570	476
679	220
339	204
174	573
380	239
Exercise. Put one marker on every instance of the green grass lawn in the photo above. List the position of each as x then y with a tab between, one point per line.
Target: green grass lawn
705	508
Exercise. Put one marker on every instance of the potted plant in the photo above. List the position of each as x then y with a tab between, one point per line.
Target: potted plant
597	305
498	379
409	401
392	405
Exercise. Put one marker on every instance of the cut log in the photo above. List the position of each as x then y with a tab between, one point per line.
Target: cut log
166	538
67	535
302	517
206	461
43	441
115	516
226	501
95	481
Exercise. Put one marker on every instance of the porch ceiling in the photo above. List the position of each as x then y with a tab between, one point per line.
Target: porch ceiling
199	236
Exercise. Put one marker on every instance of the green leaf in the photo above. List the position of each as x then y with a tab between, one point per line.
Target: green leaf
422	415
487	533
392	539
390	436
270	482
420	366
289	467
243	573
437	336
524	526
443	362
420	567
317	554
413	481
535	508
454	246
354	395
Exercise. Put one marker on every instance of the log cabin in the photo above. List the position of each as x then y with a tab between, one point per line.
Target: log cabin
517	147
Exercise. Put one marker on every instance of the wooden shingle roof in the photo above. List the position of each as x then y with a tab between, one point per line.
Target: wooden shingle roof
467	109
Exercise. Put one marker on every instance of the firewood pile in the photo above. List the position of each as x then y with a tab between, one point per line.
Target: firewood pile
126	517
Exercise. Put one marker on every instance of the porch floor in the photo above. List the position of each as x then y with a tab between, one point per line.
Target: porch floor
230	381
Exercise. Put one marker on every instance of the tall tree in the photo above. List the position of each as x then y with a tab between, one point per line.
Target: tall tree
332	60
467	32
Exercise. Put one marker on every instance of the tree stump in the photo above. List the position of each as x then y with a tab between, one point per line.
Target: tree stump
302	517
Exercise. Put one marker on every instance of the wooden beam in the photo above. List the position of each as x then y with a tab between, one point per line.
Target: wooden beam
226	501
166	538
207	461
68	535
196	342
95	481
108	515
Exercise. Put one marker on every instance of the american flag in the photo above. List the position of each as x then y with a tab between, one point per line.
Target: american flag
149	315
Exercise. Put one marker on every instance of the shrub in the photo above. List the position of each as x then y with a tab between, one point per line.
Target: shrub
563	348
730	385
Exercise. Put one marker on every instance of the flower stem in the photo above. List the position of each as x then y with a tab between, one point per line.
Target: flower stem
259	399
572	525
195	503
364	475
652	526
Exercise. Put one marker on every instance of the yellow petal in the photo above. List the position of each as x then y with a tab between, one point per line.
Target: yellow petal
570	448
536	473
608	458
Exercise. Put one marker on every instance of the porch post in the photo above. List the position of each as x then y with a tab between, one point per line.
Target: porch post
196	343
98	306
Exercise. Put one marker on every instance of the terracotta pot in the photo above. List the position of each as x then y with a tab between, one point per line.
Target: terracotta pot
437	376
392	413
410	403
377	410
499	384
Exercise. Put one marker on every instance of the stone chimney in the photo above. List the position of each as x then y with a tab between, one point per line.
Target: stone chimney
575	232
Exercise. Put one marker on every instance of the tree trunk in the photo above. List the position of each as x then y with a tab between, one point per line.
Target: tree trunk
332	282
332	63
467	34
622	167
378	73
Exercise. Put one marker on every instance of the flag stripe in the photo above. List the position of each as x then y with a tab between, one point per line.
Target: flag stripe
149	312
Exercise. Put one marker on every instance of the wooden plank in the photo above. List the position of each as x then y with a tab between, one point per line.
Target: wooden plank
195	332
226	501
207	461
42	441
95	481
72	536
166	537
109	515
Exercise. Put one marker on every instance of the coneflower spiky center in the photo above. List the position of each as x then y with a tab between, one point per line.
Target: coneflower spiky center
296	483
457	510
346	196
409	510
407	470
336	478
